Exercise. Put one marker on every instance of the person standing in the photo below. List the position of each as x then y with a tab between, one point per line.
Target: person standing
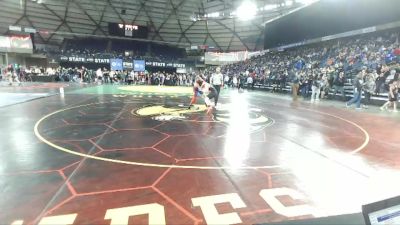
369	88
393	94
84	74
324	86
242	80
234	81
162	79
106	75
12	76
338	86
381	79
226	81
315	88
250	82
295	86
357	83
217	80
99	75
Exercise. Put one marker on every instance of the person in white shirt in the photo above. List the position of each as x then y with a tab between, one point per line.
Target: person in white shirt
99	75
112	75
226	81
217	80
12	75
162	79
235	81
50	71
131	77
249	81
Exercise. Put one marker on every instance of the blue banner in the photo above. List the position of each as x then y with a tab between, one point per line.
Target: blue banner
139	65
116	64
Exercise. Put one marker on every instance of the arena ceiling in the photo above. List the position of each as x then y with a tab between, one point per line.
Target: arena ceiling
180	22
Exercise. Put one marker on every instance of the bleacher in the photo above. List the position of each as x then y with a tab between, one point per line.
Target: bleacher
350	55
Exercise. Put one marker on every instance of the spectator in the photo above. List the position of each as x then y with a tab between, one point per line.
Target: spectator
315	89
99	75
357	83
217	80
393	94
250	82
338	85
295	86
369	88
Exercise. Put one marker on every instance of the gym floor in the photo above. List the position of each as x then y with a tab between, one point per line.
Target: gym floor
137	155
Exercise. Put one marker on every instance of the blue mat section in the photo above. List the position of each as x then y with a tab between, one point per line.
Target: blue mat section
15	98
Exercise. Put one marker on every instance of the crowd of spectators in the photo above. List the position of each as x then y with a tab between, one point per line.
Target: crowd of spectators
105	76
125	49
105	49
315	71
126	55
99	76
326	67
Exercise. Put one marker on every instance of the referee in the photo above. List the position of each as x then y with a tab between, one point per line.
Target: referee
217	80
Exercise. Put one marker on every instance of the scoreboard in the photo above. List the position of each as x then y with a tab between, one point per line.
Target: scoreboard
127	30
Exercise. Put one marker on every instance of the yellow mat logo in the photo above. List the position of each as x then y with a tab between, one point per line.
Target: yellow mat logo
254	118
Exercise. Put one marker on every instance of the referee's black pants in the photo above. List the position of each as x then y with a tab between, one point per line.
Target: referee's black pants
218	88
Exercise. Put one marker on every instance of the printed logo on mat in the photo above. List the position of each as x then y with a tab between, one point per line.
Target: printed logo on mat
255	119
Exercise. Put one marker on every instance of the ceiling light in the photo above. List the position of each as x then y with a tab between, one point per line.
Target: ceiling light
289	3
213	15
247	10
306	2
271	7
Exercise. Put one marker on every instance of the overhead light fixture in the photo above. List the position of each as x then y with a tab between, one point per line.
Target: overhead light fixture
289	2
271	7
213	15
306	2
247	10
